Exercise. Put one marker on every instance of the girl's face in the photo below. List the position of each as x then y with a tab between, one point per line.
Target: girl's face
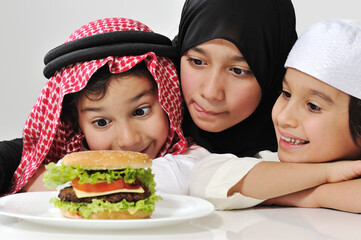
311	121
129	117
218	86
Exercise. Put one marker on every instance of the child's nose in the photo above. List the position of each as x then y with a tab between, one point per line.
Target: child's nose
287	117
211	87
127	137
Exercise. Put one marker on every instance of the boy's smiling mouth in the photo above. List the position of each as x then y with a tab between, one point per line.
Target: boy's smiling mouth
294	141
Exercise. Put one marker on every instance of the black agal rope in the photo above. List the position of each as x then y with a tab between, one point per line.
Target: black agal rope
117	44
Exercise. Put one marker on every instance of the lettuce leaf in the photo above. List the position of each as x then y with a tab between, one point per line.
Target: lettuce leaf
59	175
98	205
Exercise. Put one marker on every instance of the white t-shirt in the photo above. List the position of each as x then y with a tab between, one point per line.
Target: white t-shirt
172	173
215	174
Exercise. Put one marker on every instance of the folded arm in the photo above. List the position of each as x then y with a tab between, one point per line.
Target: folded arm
272	179
344	196
230	182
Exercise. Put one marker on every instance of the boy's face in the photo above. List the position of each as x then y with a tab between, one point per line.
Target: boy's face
311	121
129	117
218	86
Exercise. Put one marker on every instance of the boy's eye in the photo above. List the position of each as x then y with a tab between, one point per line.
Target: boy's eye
314	107
101	122
142	111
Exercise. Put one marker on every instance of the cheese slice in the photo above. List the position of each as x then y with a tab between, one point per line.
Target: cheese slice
82	194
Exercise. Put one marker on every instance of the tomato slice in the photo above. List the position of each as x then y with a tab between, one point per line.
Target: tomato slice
104	186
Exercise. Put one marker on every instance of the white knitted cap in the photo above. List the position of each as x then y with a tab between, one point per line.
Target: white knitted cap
331	52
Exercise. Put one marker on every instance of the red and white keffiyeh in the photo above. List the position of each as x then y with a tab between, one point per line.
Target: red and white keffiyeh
47	139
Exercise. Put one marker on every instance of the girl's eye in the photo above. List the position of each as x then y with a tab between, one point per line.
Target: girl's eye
196	61
101	122
239	71
313	107
141	112
286	94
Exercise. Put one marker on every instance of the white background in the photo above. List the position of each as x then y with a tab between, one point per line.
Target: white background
30	28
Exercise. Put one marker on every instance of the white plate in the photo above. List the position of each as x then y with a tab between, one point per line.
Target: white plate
35	207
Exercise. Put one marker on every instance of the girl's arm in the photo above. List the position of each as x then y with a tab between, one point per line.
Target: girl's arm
272	179
344	196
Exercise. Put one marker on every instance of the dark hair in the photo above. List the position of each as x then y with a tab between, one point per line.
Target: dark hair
354	112
95	90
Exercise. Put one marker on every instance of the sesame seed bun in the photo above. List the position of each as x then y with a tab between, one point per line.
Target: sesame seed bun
107	159
125	214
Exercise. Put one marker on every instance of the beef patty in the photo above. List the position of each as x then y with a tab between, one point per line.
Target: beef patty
68	194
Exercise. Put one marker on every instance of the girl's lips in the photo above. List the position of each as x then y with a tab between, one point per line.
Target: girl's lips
202	111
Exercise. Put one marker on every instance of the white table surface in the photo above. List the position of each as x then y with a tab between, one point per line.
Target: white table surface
254	223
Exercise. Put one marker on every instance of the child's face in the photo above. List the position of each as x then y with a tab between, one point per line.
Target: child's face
218	86
311	121
129	117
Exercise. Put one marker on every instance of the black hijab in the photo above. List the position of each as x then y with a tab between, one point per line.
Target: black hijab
264	32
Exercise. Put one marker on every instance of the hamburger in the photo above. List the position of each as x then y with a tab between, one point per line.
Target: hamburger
107	184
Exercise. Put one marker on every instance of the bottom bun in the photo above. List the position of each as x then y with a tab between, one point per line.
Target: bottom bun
124	214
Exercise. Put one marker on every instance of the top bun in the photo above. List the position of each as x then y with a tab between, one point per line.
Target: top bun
107	159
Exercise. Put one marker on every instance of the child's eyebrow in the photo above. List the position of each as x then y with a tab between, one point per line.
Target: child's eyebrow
132	100
315	93
198	50
321	95
91	109
234	58
140	95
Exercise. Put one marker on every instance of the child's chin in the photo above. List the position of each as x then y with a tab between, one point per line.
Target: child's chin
289	157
